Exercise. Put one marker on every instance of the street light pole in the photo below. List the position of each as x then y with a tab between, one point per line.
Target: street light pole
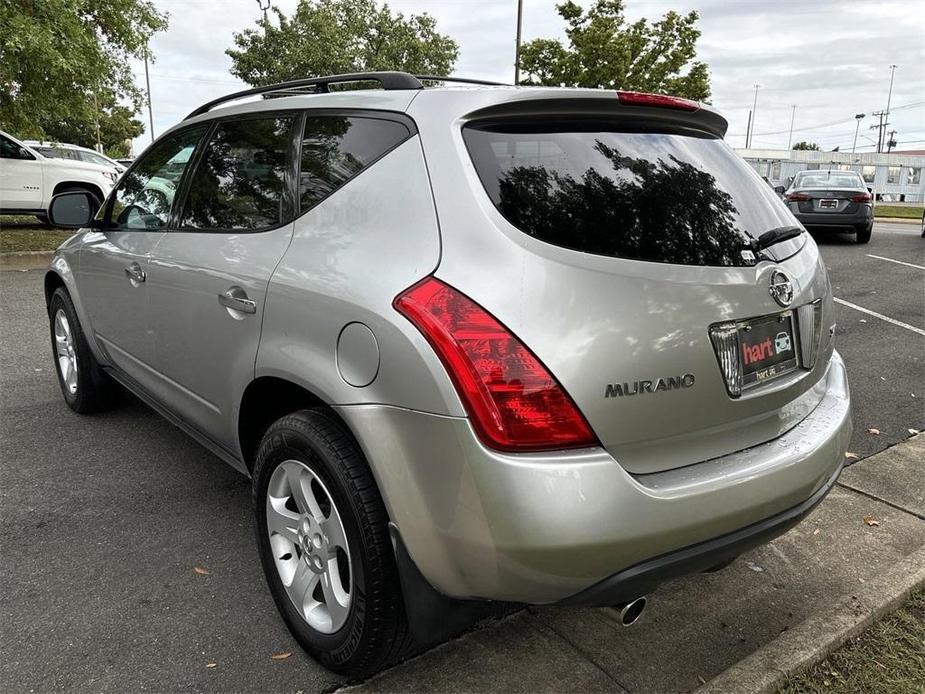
148	85
520	15
793	114
754	117
857	126
889	97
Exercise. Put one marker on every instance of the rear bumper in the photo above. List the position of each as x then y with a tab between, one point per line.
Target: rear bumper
862	218
576	525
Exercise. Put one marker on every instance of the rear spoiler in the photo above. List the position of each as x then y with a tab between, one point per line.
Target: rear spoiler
567	103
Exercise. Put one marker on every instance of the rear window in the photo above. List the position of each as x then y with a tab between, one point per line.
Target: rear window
672	196
828	179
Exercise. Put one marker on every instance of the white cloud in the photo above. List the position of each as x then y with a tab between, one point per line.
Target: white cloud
829	57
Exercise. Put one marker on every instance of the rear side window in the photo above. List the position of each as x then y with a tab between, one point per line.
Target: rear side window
678	197
240	182
336	148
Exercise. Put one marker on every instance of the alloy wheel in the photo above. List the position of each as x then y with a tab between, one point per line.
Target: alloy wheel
309	546
66	351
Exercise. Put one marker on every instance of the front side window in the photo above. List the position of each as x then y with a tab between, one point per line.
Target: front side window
240	182
146	192
675	196
10	150
336	148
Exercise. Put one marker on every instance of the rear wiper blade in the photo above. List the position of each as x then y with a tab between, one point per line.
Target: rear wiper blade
769	238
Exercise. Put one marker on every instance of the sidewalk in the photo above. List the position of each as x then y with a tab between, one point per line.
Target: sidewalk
697	628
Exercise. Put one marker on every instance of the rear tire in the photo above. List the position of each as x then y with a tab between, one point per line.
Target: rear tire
862	235
83	384
310	454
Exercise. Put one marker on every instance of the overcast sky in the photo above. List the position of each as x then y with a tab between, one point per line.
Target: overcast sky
829	58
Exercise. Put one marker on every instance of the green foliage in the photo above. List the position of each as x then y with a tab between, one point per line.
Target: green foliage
604	51
56	54
812	146
325	37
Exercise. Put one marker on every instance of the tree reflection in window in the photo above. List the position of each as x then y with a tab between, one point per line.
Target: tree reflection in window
336	148
241	181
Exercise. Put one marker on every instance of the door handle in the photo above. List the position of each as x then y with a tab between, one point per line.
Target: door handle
135	274
236	300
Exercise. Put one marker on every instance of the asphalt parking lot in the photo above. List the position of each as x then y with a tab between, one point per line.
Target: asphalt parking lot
106	519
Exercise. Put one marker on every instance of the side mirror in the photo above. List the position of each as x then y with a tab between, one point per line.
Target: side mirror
779	190
73	209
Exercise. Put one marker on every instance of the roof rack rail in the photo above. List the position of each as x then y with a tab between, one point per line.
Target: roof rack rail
388	80
459	80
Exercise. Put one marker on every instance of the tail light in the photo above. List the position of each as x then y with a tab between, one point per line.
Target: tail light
797	197
861	197
513	402
658	100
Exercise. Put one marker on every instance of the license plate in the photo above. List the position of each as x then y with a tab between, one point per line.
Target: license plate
828	204
768	348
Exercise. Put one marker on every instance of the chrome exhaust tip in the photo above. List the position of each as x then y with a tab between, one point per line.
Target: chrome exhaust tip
631	611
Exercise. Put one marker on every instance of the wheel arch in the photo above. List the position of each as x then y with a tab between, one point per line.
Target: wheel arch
51	283
91	187
266	399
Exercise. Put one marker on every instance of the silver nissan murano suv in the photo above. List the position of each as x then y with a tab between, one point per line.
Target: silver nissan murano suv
476	345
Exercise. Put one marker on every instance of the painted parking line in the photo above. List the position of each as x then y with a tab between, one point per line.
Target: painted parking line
880	316
898	262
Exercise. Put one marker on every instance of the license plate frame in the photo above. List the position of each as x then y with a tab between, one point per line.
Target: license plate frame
828	204
768	348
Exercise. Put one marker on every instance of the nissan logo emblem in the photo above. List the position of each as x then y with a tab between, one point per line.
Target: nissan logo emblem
781	288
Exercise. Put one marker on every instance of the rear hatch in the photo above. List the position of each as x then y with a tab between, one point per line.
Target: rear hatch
639	281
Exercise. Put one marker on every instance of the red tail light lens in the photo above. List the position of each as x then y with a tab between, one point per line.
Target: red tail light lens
797	197
513	402
861	197
658	100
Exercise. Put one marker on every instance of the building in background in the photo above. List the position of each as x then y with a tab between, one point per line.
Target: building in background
893	177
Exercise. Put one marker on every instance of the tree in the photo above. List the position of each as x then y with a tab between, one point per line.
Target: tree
326	37
60	54
812	146
604	51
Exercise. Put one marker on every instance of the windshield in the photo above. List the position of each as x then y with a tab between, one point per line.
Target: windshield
828	179
679	197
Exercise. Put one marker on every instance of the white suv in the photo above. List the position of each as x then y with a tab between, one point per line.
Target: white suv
28	179
65	150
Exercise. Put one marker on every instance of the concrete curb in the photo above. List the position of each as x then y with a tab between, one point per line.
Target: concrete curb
897	220
25	260
808	644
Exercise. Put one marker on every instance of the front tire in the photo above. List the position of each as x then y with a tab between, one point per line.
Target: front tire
322	534
83	384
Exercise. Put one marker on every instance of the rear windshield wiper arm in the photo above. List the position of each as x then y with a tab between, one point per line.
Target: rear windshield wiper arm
769	238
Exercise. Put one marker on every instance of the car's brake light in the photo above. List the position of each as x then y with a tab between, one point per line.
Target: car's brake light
861	197
797	197
659	100
513	402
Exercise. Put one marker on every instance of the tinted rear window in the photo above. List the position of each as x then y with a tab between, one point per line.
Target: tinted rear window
828	179
672	197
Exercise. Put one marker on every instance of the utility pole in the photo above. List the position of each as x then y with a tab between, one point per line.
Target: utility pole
520	16
754	116
148	85
880	128
96	117
857	118
793	114
891	143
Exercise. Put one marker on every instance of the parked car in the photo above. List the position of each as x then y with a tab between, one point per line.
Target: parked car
127	162
473	345
64	150
29	179
832	199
